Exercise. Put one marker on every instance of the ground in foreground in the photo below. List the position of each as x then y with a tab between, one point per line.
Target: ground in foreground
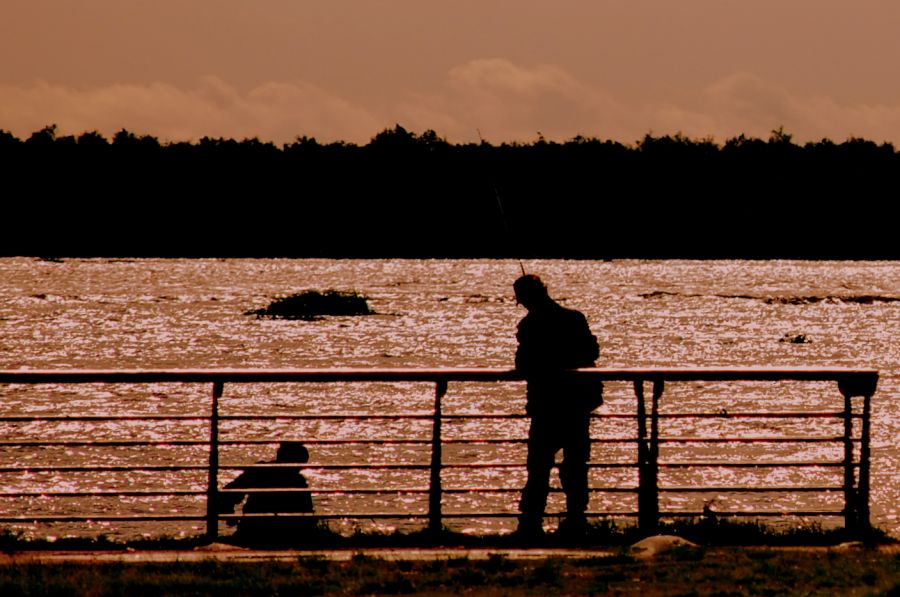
682	571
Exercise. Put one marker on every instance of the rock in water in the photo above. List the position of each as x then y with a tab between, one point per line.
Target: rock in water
311	305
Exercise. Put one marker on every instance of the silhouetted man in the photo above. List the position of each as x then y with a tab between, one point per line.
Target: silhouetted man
283	529
552	339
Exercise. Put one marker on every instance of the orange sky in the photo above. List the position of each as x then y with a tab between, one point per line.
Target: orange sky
341	69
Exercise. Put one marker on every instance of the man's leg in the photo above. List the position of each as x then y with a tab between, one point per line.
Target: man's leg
541	451
573	473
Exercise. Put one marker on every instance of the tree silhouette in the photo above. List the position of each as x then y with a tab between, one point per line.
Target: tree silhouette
417	195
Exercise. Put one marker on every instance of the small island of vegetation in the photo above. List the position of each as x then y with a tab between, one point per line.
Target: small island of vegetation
311	305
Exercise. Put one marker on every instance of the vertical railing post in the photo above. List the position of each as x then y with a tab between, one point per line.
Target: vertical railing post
850	497
641	449
212	487
653	453
862	497
435	494
648	495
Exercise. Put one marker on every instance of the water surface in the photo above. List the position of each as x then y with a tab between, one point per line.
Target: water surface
147	313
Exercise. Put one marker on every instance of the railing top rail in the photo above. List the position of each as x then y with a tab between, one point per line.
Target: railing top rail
862	380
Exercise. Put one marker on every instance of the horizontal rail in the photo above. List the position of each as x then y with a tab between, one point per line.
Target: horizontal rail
446	465
105	518
321	516
419	515
328	442
411	516
750	513
755	464
188	467
333	467
451	465
276	417
109	493
90	418
423	490
406	417
498	465
102	443
752	440
296	490
104	469
757	415
409	442
733	489
31	376
413	490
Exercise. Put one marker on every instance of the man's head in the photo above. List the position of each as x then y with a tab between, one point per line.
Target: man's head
530	291
292	452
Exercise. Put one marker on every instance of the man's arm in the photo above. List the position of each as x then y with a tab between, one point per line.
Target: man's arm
588	347
528	354
226	502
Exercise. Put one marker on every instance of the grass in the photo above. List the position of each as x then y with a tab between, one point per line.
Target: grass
311	305
714	571
717	531
761	565
705	531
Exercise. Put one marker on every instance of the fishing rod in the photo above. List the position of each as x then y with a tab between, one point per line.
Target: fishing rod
506	226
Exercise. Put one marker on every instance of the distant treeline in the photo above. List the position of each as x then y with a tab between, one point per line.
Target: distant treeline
416	195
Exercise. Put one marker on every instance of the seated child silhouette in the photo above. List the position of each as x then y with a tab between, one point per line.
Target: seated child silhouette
283	529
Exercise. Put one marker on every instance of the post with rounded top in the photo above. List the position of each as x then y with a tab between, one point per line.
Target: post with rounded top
856	486
212	487
435	490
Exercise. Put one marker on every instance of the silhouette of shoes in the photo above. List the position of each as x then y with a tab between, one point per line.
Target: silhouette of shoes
573	529
527	534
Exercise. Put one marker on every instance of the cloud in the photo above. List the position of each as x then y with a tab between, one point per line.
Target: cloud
508	102
502	78
273	111
743	103
501	100
505	102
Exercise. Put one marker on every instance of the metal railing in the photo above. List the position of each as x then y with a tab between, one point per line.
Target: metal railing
854	440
